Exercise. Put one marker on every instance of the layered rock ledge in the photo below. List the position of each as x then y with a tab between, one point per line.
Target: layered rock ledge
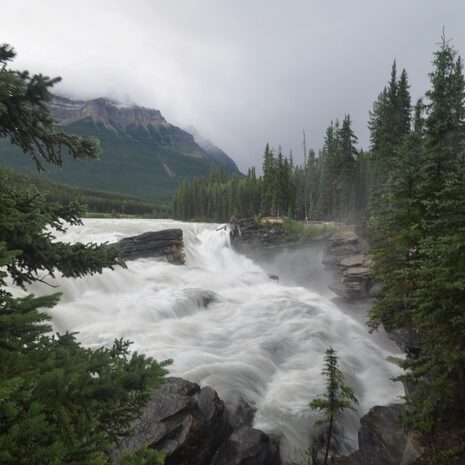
382	441
193	426
346	252
167	244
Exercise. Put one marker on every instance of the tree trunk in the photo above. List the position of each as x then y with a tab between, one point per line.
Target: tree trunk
328	442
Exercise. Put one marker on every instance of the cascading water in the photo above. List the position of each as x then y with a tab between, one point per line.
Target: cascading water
226	324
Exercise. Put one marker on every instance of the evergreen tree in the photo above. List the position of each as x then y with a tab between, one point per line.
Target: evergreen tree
268	181
60	403
336	398
419	254
389	124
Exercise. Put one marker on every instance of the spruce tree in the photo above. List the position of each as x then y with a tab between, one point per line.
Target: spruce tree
335	399
60	403
419	253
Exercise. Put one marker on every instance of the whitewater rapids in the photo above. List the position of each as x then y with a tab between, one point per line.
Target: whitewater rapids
258	338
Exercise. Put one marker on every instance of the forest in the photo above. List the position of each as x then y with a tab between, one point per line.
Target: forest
95	202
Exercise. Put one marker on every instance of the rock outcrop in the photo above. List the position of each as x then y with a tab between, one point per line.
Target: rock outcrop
354	267
249	236
136	121
110	113
167	244
262	240
407	339
247	446
383	442
193	427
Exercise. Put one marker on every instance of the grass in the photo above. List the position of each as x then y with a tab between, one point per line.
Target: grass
298	231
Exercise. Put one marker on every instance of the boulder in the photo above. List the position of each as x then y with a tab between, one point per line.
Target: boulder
248	446
192	426
240	413
382	441
183	420
167	243
407	339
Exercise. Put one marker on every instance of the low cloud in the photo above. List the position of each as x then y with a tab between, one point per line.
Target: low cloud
242	73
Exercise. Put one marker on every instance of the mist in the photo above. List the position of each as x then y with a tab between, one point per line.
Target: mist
241	73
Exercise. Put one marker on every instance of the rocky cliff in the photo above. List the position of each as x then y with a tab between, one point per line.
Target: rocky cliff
143	154
140	122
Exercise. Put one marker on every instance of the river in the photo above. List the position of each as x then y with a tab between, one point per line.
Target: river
258	338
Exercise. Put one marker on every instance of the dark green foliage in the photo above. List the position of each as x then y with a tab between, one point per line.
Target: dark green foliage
26	120
389	124
24	217
331	186
95	202
335	399
339	166
60	403
127	165
219	197
144	456
419	230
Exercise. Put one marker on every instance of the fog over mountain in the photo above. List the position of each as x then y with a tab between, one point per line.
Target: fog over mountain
242	73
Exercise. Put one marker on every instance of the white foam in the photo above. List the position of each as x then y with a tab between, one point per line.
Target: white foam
257	338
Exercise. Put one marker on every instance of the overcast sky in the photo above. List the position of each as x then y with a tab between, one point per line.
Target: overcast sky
242	72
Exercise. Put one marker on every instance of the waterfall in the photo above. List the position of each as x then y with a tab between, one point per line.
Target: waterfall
226	324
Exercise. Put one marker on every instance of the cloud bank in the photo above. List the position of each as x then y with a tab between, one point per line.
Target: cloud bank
242	72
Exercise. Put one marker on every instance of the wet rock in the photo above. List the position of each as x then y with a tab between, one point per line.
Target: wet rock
193	427
382	441
353	267
247	226
357	272
202	297
407	339
250	237
355	261
350	289
167	244
184	421
248	446
240	413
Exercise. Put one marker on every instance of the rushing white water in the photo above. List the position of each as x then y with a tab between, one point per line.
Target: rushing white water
258	338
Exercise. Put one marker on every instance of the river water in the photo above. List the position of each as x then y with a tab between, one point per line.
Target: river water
258	338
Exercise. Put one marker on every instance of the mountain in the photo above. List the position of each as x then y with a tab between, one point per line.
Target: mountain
214	152
143	154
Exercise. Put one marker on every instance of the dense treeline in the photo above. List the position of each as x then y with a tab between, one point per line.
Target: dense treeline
409	189
342	183
94	201
418	226
330	186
